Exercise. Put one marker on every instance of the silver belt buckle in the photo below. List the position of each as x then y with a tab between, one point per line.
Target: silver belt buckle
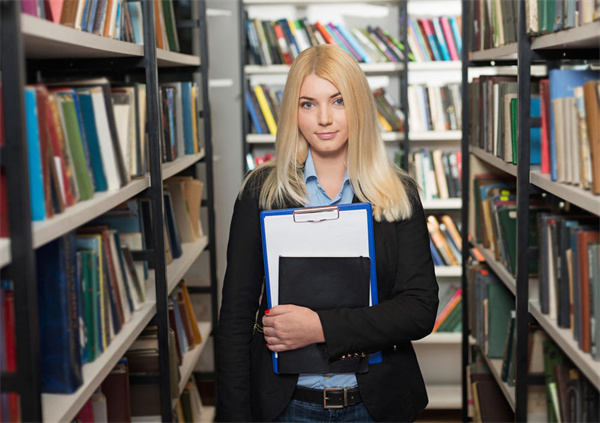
326	390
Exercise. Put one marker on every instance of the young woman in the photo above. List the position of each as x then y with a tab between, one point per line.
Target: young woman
329	151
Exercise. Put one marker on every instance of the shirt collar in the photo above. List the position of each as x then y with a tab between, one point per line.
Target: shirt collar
311	172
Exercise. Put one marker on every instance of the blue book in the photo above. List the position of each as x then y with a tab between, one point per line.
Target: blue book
562	84
535	137
188	128
86	15
437	260
91	135
440	37
136	21
354	43
118	21
83	350
456	33
91	16
253	115
84	142
183	343
60	360
171	117
290	37
36	177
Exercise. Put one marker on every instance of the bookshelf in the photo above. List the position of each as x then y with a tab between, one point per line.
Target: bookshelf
552	50
30	46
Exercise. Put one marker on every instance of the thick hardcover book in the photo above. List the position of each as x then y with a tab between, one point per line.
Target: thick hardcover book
58	316
323	283
116	389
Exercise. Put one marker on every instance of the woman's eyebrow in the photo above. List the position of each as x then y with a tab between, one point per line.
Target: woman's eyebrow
312	99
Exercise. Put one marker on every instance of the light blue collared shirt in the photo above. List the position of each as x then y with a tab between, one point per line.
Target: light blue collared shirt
318	197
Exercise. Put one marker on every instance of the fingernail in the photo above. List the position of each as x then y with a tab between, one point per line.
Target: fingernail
267	311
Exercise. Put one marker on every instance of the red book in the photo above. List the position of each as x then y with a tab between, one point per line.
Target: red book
283	47
449	38
326	35
4	224
545	125
41	97
10	345
86	414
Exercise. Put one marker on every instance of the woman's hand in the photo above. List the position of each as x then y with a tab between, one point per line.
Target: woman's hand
289	327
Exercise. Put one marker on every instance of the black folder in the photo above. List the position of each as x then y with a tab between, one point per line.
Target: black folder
323	283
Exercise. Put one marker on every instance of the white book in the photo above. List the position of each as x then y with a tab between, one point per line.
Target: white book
133	241
109	159
123	289
123	122
99	406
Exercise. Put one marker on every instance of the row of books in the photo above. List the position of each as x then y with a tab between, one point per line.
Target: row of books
90	137
280	41
569	275
493	117
445	241
449	314
543	16
92	275
435	38
9	402
437	172
496	219
571	127
435	108
117	19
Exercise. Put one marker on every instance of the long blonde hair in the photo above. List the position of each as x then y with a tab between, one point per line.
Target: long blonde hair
374	178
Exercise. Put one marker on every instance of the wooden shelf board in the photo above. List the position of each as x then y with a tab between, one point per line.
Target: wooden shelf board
305	2
441	338
498	268
260	139
4	252
167	58
443	204
177	268
507	52
575	195
564	338
435	136
369	68
172	168
495	365
392	136
448	271
586	36
84	211
444	397
190	358
44	39
61	407
497	162
440	65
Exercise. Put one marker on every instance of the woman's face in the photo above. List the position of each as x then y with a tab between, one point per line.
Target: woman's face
322	117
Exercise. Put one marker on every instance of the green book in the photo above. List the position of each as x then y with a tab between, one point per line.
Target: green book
170	26
72	130
500	304
514	114
553	356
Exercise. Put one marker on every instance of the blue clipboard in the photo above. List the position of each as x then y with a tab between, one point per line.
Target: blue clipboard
332	231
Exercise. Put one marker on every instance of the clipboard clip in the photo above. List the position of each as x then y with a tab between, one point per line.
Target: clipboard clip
316	214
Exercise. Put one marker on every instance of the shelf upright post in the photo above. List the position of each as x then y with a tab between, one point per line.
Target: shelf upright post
524	58
210	189
244	86
404	80
156	194
465	178
22	270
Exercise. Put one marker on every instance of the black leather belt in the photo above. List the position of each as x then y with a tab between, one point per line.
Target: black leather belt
329	397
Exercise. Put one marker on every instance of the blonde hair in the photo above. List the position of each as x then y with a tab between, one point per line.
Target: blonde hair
374	178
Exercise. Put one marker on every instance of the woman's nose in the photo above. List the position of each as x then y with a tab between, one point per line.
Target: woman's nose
324	117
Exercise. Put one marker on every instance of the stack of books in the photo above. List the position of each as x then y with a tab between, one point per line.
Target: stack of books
437	173
435	108
435	39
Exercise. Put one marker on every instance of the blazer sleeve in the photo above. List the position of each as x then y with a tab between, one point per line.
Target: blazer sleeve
408	314
240	300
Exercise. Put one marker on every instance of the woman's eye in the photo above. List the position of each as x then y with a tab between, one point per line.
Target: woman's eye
306	104
339	101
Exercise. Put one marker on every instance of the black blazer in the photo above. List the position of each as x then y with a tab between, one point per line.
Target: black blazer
249	390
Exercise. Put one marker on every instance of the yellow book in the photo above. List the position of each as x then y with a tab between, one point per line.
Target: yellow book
266	109
384	123
191	316
195	118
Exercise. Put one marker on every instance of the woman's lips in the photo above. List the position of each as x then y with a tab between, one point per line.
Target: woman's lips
326	135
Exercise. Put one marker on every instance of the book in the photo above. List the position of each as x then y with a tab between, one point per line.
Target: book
34	162
592	112
115	388
59	322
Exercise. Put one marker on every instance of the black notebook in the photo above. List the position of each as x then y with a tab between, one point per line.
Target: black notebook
323	283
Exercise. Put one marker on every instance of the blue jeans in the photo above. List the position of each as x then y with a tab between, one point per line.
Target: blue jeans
300	411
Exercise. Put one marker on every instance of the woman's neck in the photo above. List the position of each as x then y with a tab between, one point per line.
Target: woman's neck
331	173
